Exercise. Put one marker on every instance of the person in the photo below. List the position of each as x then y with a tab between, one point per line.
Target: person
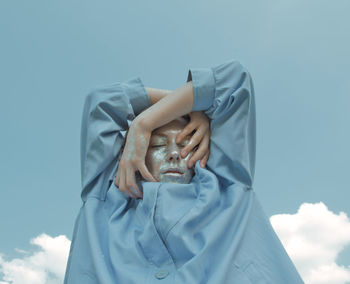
208	228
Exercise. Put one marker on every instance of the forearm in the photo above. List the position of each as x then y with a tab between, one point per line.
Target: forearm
178	103
156	94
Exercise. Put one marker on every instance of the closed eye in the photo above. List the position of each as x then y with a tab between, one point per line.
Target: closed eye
155	146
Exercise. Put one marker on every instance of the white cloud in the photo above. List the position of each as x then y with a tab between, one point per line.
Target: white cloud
313	238
46	266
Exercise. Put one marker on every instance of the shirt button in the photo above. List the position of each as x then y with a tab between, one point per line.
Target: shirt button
161	274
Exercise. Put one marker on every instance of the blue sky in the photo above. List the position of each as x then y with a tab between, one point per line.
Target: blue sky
53	53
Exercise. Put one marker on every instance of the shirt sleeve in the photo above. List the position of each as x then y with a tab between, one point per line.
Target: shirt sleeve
107	114
225	93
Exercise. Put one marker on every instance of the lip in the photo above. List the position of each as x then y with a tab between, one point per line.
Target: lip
173	171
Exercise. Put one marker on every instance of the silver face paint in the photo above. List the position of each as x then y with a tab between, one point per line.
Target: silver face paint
164	153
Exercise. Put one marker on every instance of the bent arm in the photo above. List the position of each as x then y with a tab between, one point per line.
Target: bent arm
177	103
225	93
107	114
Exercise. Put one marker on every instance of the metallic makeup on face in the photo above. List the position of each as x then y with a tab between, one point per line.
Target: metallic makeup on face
163	158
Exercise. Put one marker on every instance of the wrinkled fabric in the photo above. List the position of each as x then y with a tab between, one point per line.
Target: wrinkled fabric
210	231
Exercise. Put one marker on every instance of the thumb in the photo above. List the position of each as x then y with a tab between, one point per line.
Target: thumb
145	173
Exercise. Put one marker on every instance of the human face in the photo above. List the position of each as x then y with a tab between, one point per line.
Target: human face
164	153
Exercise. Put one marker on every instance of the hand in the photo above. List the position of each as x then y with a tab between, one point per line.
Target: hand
133	159
199	122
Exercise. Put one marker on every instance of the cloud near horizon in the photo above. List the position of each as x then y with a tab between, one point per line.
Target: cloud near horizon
313	238
46	266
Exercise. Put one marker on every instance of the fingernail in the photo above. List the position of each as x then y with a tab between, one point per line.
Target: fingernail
184	153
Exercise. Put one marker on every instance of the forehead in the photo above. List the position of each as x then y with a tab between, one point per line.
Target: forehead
174	126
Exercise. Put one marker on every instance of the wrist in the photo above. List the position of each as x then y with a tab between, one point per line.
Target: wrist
156	95
141	122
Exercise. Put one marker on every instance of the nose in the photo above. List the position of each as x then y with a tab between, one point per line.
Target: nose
174	154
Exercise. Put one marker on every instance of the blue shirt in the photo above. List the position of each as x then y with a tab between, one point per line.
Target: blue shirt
210	231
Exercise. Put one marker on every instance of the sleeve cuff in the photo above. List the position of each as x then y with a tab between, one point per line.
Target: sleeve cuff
203	88
137	94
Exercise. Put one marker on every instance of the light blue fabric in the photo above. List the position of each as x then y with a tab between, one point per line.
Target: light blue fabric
210	231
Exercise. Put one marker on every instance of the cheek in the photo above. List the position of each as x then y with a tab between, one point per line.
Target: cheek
154	159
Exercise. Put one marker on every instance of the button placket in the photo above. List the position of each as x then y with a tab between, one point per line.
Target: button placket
150	241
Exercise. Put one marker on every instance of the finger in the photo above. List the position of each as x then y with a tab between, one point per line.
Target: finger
200	152
131	183
184	132
145	173
204	159
197	155
127	188
195	140
123	185
206	156
117	178
116	181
